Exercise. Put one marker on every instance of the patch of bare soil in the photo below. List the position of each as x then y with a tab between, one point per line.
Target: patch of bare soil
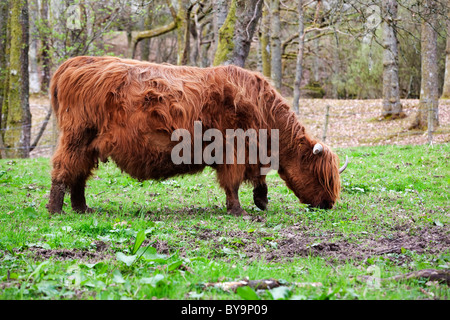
295	242
430	240
161	247
69	254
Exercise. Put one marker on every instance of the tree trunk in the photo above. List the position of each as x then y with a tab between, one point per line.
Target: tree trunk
35	83
3	66
316	45
225	44
237	32
429	103
58	26
299	66
446	88
336	66
392	108
248	13
144	45
316	59
146	24
3	44
197	35
45	47
145	49
180	23
205	48
200	28
275	44
183	32
17	108
219	17
265	43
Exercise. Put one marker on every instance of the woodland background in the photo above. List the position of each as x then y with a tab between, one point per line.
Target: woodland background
390	50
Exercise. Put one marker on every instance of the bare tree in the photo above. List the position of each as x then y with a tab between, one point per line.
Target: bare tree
392	108
248	14
3	44
225	42
3	63
35	84
16	109
275	43
181	23
265	42
446	88
316	46
45	46
429	103
237	32
146	24
299	65
220	8
201	30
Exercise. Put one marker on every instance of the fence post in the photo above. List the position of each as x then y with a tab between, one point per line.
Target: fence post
325	128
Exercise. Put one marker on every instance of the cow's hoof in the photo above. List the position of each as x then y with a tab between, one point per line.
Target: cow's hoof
261	203
52	210
84	209
89	210
238	212
260	196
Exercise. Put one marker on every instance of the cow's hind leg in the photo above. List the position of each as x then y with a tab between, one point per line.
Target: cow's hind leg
72	165
230	178
56	201
77	197
260	193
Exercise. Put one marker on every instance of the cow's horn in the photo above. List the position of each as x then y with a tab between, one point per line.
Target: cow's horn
341	169
318	148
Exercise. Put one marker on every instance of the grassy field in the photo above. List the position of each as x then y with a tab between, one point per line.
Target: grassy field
174	240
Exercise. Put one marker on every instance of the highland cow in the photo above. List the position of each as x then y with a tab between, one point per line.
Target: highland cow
127	111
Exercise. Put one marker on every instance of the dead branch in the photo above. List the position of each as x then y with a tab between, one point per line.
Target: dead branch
41	131
442	276
255	284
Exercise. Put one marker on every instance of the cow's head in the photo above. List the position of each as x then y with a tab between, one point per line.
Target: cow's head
313	175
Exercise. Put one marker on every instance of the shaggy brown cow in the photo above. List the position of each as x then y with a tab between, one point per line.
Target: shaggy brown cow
127	110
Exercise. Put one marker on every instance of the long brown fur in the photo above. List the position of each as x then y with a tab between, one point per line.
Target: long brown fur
126	110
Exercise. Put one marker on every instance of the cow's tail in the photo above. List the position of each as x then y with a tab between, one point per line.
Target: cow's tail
57	78
55	81
60	76
54	97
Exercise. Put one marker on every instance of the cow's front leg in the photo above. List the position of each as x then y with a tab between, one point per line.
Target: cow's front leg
77	197
56	199
233	204
71	168
260	193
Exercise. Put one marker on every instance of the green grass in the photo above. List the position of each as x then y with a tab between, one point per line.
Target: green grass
393	214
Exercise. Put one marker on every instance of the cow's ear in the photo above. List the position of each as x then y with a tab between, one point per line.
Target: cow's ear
318	148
